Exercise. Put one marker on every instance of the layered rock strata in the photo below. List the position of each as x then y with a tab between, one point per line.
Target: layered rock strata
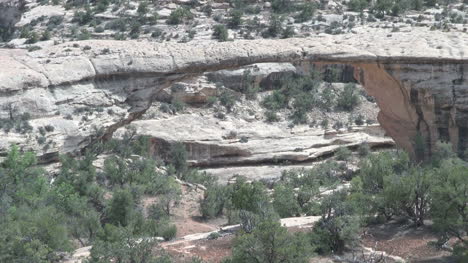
418	80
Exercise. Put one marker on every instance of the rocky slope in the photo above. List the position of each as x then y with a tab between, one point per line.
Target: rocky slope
416	77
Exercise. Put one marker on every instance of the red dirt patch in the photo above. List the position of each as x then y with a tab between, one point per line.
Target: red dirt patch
411	243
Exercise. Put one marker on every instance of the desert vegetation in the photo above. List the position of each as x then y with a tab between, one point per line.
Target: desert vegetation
44	214
137	155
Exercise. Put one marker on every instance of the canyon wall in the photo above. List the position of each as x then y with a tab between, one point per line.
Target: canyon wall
417	79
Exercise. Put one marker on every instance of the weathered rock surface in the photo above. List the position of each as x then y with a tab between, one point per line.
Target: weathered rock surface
213	142
264	74
418	78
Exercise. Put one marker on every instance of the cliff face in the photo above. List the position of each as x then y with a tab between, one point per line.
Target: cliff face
427	99
416	77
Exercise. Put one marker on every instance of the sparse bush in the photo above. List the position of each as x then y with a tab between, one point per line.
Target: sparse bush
213	201
119	24
83	18
41	140
179	15
214	235
207	9
275	27
99	29
357	5
284	201
275	101
33	38
281	6
364	149
307	12
248	85
169	232
343	154
101	6
45	35
359	120
324	123
271	116
177	105
288	32
84	34
178	157
235	19
271	243
142	8
348	99
135	27
220	32
54	21
227	99
335	230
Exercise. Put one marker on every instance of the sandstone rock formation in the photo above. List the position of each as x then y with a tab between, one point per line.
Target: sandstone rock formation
417	78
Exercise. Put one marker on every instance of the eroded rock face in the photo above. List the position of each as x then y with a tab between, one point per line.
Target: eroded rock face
417	78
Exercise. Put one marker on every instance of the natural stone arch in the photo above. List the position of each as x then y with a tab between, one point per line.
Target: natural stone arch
416	90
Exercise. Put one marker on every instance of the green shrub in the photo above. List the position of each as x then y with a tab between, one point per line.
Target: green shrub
288	32
135	27
54	21
271	116
83	18
359	120
235	19
121	208
41	140
227	99
248	85
358	5
207	9
327	99
33	38
142	8
45	35
281	6
364	149
348	99
178	157
84	35
177	105
25	32
99	29
324	124
343	154
213	201
335	230
220	32
284	201
119	24
169	232
271	243
275	101
325	175
275	27
214	235
306	14
179	15
101	6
